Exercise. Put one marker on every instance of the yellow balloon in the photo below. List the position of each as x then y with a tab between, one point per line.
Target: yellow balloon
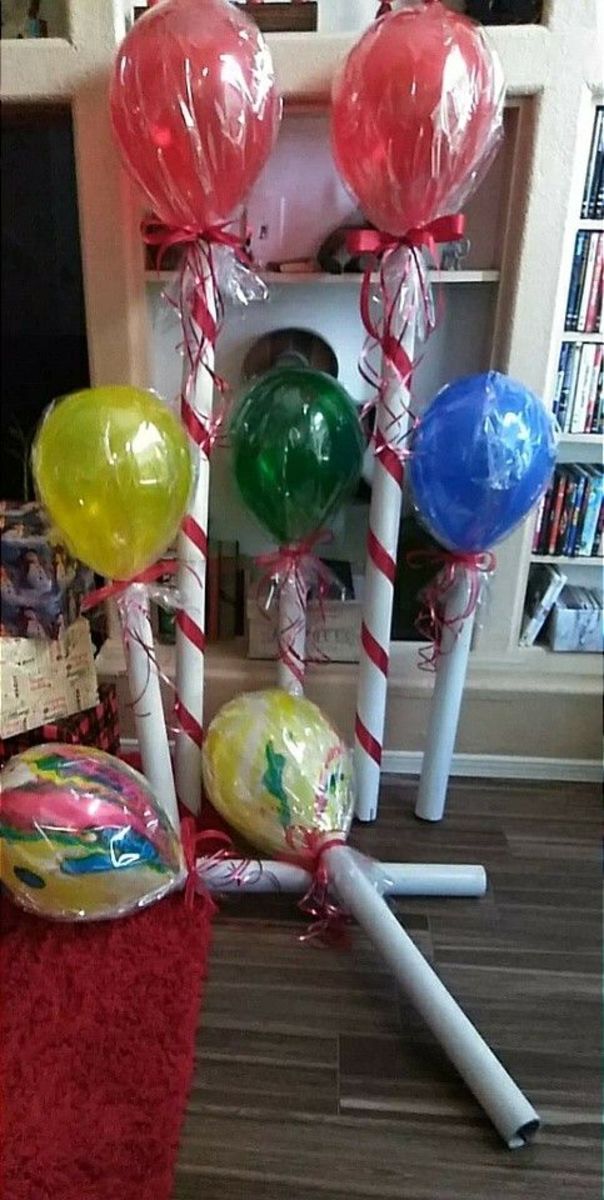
275	769
113	469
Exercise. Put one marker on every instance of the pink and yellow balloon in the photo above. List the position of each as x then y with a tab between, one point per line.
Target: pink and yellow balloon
82	836
113	469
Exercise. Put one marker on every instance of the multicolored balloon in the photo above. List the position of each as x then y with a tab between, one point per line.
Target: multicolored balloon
113	469
416	115
277	771
82	836
195	109
482	455
297	448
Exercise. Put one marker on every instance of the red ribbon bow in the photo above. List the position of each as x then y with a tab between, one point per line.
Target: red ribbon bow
192	842
431	622
389	331
199	304
329	923
117	587
299	564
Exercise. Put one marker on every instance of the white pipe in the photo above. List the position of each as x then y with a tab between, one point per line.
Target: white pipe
291	636
451	669
509	1110
378	596
145	694
397	879
192	574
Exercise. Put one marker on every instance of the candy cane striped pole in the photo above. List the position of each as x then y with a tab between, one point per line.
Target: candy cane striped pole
382	544
192	556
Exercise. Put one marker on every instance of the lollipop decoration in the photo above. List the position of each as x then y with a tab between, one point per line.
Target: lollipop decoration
295	799
416	119
481	458
297	455
195	112
113	469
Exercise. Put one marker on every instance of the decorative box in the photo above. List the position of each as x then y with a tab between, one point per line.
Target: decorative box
97	726
43	681
576	622
41	584
334	631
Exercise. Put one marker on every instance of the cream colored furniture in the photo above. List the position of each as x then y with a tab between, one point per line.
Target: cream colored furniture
526	712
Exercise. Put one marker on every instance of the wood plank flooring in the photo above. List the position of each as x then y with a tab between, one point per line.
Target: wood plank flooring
314	1080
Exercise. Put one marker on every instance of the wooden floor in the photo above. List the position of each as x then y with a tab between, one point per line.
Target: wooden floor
315	1081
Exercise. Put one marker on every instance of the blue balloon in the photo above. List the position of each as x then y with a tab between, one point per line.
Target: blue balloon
482	455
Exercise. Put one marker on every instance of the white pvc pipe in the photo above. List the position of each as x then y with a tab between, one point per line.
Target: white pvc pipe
145	694
509	1110
192	573
378	595
291	637
397	879
451	669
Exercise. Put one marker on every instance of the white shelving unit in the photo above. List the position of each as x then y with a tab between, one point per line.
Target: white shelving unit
553	73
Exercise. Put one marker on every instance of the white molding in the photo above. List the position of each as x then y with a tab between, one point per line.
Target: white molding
481	766
500	766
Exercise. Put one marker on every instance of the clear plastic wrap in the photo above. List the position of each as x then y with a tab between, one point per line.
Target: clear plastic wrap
82	836
481	457
417	115
279	773
195	109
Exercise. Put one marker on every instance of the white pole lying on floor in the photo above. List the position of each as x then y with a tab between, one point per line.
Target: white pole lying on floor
146	698
399	879
509	1110
451	669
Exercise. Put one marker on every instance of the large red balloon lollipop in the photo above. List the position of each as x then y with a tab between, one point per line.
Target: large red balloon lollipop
194	108
416	115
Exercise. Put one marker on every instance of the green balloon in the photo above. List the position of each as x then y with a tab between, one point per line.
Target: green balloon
297	450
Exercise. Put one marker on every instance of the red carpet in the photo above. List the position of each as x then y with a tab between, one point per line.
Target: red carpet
96	1051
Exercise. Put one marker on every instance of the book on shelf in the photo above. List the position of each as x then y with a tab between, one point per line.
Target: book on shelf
543	588
577	404
592	206
228	554
584	302
569	519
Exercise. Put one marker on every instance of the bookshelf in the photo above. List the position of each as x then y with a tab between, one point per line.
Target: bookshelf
508	313
583	306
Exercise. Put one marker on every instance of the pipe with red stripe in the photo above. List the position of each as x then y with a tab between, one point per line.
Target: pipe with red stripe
198	387
392	427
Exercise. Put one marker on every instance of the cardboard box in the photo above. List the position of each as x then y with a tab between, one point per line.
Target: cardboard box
575	624
42	681
41	584
334	633
97	726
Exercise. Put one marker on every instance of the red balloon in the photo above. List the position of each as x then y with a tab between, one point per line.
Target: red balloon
194	108
416	115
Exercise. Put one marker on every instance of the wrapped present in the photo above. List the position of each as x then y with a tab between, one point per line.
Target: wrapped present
41	585
43	681
97	726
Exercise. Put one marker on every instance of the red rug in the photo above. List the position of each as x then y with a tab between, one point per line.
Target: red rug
97	1030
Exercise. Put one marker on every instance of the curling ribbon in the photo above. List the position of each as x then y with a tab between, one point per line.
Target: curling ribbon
431	622
329	922
192	842
389	332
200	321
117	587
299	563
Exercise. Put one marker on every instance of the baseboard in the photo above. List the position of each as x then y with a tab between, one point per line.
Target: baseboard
500	766
484	766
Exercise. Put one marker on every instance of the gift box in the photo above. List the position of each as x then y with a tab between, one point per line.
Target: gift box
575	622
41	584
42	681
97	726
